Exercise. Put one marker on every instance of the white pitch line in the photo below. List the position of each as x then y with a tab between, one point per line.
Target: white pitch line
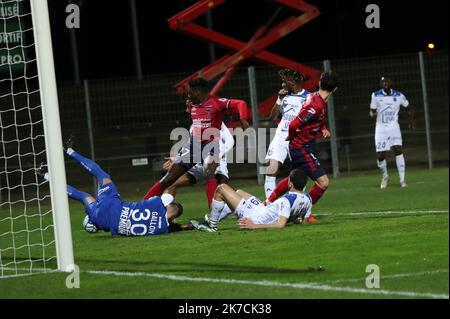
389	212
412	274
311	286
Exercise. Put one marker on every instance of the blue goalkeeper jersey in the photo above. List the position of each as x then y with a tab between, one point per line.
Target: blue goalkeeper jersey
147	217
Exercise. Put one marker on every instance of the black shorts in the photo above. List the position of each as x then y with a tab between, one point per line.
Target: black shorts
305	159
191	154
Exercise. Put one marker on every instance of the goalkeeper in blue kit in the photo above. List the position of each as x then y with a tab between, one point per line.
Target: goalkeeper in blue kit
110	213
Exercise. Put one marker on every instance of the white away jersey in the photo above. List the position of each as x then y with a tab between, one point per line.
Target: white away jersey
290	107
291	205
387	106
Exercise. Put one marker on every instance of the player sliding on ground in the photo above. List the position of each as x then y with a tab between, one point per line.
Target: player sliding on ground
110	213
303	131
206	114
295	206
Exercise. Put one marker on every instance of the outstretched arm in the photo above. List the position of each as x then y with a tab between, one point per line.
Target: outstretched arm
246	223
241	107
412	120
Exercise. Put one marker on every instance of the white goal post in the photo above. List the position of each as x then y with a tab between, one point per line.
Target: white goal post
53	139
35	230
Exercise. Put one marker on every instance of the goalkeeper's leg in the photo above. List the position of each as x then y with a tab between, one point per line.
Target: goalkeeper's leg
86	199
92	167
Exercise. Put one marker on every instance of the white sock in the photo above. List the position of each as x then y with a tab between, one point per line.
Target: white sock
216	209
69	151
226	211
382	165
400	160
269	185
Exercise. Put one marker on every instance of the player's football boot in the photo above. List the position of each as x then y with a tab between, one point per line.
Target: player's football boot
203	226
403	184
312	219
384	182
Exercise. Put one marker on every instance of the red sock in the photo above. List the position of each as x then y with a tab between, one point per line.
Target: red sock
156	190
211	185
281	188
316	192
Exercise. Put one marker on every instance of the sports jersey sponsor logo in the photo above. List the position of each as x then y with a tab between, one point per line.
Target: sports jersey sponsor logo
102	190
124	222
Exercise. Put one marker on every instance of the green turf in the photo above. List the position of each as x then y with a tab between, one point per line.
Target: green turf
410	247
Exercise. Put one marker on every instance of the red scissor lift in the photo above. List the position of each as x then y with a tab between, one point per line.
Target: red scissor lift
255	48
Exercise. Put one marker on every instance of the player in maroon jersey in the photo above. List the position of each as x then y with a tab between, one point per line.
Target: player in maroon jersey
303	130
206	113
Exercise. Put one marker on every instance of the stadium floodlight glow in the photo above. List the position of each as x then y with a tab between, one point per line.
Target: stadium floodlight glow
431	46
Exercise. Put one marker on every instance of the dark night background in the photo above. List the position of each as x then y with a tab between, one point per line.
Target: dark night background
106	50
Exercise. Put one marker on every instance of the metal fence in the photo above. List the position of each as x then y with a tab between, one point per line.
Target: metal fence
116	121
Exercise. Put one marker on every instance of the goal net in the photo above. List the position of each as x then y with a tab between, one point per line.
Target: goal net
32	216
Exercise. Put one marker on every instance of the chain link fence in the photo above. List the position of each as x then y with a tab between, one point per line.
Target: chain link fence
124	124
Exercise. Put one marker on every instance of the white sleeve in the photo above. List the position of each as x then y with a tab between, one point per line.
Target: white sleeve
166	199
285	207
403	101
373	102
226	139
308	213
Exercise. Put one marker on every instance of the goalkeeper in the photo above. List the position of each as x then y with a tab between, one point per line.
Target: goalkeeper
110	213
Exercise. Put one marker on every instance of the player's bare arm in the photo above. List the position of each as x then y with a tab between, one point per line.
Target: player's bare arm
246	223
412	120
275	112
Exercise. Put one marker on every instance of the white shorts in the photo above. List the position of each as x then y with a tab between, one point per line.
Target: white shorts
278	149
199	174
254	210
247	208
386	137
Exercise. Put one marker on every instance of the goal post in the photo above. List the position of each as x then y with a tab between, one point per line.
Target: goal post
52	131
35	230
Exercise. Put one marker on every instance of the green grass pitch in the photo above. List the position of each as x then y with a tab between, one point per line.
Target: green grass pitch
403	231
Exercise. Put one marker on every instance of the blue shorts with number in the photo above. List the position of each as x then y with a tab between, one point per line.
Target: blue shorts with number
305	159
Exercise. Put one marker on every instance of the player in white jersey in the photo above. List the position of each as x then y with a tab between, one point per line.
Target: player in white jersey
385	106
294	206
290	100
196	173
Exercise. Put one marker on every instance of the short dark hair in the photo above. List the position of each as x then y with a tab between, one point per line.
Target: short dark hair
328	81
298	178
180	208
298	77
199	84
